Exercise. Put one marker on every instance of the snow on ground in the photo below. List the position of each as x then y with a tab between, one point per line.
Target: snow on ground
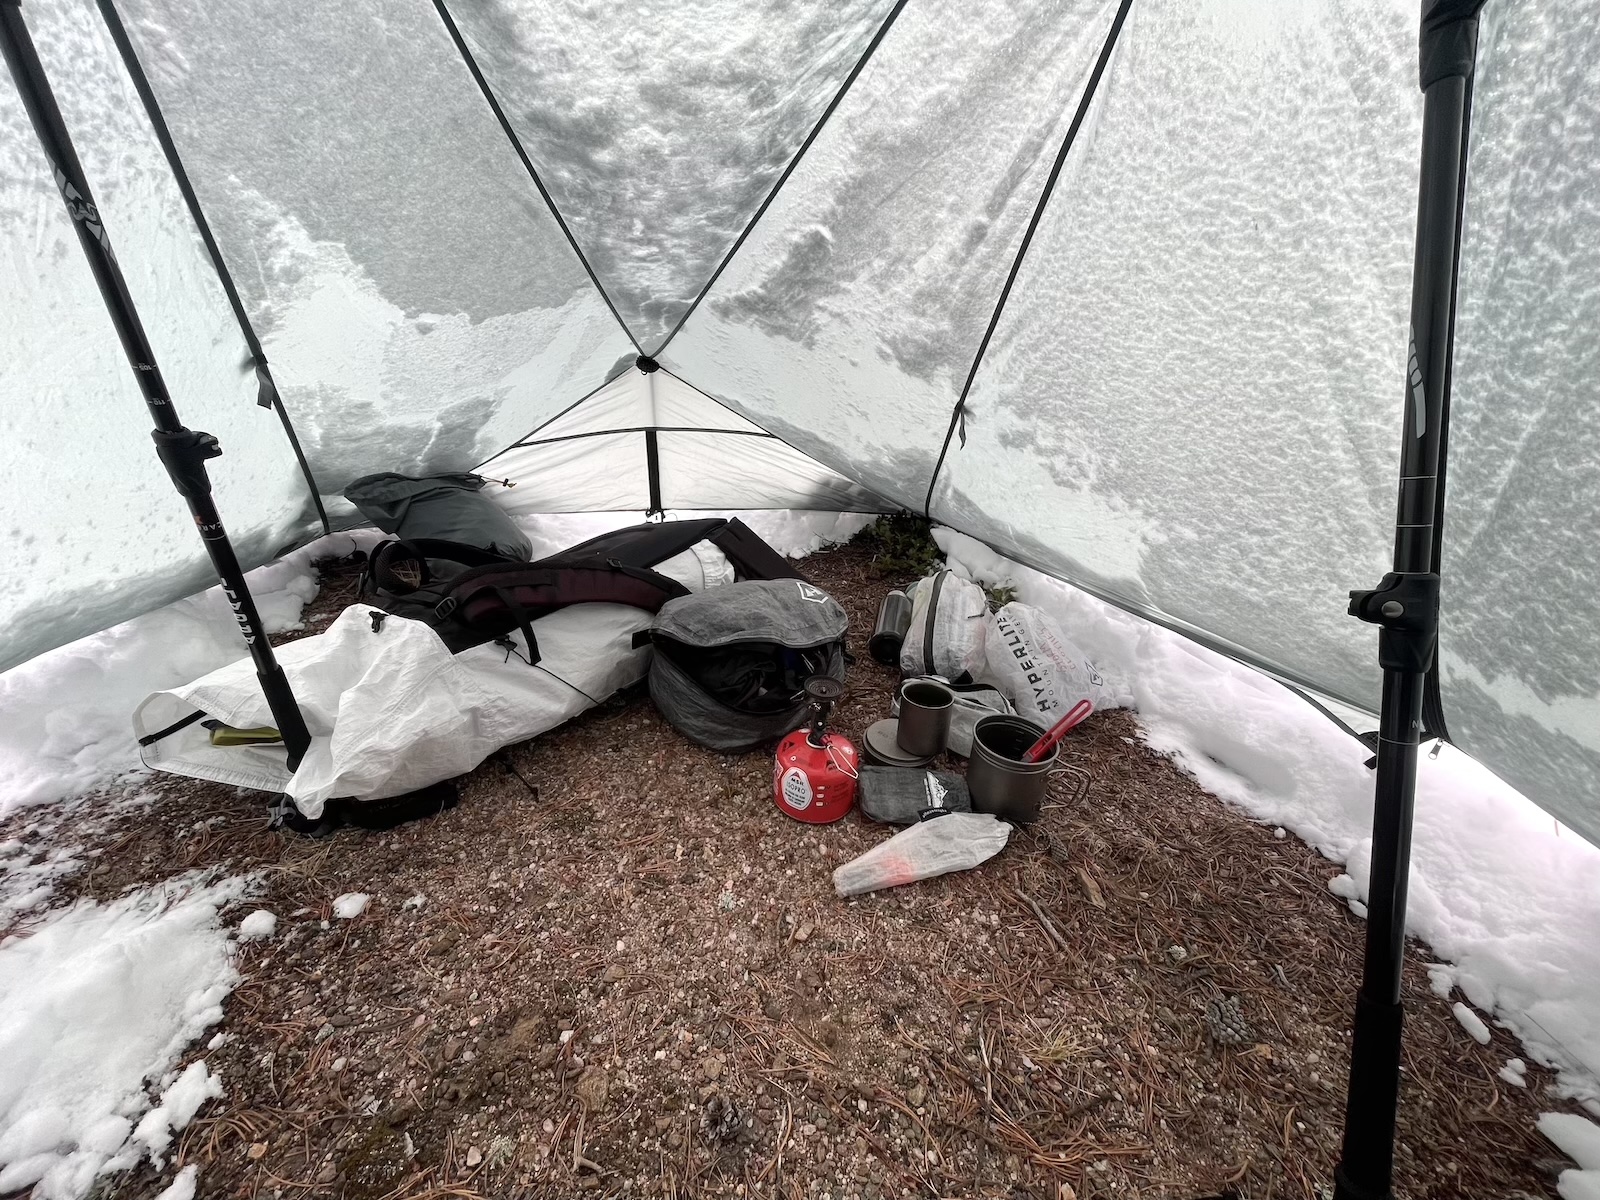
24	882
1579	1140
259	924
182	1187
97	1003
1510	900
68	713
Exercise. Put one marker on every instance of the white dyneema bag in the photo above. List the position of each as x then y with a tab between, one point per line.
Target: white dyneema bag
1030	660
949	619
952	841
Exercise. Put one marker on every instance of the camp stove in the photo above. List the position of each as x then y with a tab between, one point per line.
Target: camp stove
814	775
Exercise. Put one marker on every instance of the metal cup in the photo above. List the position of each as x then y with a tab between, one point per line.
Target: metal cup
925	711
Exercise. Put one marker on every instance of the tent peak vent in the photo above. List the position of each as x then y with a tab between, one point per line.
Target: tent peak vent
647	364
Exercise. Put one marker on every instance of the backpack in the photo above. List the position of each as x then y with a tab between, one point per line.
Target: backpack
730	663
483	601
470	596
441	508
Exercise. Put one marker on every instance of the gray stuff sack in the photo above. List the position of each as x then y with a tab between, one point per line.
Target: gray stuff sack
899	796
949	623
448	508
730	663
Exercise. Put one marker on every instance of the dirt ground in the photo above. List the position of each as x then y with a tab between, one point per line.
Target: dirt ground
616	969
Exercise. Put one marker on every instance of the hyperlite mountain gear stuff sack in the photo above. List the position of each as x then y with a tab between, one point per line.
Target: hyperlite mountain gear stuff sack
1031	661
447	508
949	617
730	664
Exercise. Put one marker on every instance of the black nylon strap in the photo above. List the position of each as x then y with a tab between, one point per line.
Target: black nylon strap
508	597
151	739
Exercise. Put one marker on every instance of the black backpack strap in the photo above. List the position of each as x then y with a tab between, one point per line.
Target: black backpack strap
508	597
750	555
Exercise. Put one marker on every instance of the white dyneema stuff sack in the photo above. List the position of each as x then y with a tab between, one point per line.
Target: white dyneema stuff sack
954	841
949	621
1030	660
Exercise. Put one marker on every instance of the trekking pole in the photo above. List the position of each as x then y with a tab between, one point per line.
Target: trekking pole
1405	605
182	451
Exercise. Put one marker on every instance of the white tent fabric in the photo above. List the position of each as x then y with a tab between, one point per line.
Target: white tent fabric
708	457
1190	403
731	88
78	480
1520	632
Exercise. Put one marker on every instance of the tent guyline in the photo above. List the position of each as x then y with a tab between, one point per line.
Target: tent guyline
533	172
794	161
958	415
267	395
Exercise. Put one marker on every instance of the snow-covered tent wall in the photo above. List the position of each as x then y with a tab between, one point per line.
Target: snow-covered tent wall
1520	623
1190	402
808	210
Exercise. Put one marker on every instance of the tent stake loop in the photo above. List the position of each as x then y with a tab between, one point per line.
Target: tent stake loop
182	451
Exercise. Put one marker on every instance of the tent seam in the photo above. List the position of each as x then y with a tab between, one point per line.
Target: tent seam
573	437
545	424
533	173
789	170
958	413
268	396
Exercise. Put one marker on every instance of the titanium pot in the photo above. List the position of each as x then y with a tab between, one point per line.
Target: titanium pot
925	711
1000	782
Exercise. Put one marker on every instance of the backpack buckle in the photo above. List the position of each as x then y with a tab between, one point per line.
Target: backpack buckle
445	607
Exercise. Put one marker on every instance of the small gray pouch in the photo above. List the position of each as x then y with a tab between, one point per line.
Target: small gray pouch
900	795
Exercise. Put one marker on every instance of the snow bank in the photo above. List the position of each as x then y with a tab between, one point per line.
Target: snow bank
95	1003
1511	900
1579	1140
67	726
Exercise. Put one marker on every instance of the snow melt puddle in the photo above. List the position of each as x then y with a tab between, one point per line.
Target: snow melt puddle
97	1003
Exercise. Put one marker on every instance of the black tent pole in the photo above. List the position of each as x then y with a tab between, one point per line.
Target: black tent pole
182	451
1406	606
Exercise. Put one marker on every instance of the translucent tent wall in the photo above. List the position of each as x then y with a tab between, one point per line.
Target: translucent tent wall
1189	403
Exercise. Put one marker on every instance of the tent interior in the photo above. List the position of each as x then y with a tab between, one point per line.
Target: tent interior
807	214
1120	290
